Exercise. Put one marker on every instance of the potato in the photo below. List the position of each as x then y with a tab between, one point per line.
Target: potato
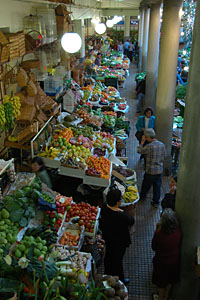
109	292
121	293
112	282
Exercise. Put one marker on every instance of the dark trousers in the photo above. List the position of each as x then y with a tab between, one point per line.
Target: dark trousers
148	181
113	260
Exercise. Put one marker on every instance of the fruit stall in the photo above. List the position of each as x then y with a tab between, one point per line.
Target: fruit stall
48	240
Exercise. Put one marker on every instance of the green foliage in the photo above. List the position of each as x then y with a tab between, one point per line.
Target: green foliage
181	91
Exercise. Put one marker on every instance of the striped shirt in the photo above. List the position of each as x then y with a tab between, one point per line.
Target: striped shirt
155	154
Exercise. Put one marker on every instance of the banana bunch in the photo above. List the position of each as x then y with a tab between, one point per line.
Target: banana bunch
16	104
96	90
2	117
131	194
9	115
12	138
50	152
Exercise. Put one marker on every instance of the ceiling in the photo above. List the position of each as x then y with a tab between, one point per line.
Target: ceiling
118	4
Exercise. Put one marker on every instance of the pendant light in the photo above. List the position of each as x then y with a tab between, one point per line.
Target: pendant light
71	42
100	28
109	23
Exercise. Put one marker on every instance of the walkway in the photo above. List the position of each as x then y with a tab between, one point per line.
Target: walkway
138	258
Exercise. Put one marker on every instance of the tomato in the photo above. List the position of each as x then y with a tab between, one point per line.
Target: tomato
87	229
81	222
91	230
73	204
83	217
89	225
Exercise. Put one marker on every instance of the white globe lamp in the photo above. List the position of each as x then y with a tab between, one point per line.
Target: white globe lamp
109	23
71	42
100	28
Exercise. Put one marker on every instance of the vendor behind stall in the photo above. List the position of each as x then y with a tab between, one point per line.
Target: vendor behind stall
98	59
39	169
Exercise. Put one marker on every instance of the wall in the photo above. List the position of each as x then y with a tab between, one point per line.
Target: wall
13	11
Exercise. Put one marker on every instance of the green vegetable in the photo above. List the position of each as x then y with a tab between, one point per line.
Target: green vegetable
181	91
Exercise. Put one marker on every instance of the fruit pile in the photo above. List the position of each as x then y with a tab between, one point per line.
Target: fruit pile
62	203
87	214
99	152
92	172
62	137
39	247
104	140
50	152
81	140
16	104
101	164
84	131
8	229
131	194
78	153
87	95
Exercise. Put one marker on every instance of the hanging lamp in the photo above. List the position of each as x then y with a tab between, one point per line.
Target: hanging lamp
100	28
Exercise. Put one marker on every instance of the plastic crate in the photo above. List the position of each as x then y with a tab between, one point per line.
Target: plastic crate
111	82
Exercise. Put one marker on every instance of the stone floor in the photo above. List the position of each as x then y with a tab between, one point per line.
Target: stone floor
138	258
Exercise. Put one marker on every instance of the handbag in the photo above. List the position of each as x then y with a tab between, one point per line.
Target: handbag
139	135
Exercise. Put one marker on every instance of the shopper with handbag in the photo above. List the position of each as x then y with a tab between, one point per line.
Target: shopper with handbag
114	224
144	122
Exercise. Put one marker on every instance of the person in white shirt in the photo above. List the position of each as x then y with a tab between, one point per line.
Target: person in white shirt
120	47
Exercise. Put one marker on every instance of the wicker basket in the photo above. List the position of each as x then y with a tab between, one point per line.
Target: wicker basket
31	63
27	114
27	133
3	39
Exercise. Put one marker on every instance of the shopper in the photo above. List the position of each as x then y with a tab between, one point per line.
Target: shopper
170	197
98	59
126	45
130	51
39	169
144	122
154	152
140	93
120	47
166	244
114	224
115	47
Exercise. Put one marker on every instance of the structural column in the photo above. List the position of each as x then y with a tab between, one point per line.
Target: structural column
126	27
166	87
153	56
188	189
140	39
145	38
80	29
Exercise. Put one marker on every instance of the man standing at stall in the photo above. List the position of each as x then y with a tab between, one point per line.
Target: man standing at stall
155	154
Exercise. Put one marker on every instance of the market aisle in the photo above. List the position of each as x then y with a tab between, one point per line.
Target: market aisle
138	258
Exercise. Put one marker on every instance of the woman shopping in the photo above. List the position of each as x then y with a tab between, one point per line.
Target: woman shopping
114	224
166	244
144	122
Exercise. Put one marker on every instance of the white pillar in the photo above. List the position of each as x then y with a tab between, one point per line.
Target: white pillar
166	87
80	29
188	188
153	56
145	38
140	40
126	27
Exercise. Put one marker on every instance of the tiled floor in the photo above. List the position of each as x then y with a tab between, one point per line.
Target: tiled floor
138	258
